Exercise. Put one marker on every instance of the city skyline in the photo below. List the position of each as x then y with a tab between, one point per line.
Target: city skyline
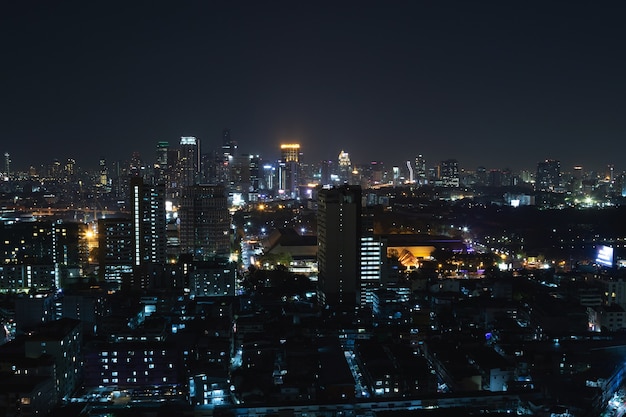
491	84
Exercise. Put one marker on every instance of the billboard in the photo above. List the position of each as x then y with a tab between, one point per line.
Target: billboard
605	256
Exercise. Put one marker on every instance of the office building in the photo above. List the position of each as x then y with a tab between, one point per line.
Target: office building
205	222
548	176
289	170
372	258
339	232
149	222
449	173
421	174
189	161
345	167
116	249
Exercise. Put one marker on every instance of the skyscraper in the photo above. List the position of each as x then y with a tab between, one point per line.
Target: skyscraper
289	169
205	222
372	257
345	167
548	175
189	161
7	164
149	223
115	254
161	165
421	175
449	173
338	237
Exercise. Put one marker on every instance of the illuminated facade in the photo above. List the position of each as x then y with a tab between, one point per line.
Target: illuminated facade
115	242
371	259
40	254
345	167
289	169
421	174
149	227
189	161
449	173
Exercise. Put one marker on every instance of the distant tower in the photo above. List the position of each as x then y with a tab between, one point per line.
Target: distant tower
228	147
7	164
189	160
420	170
205	222
411	174
577	179
449	173
548	175
70	169
611	174
104	173
345	167
289	169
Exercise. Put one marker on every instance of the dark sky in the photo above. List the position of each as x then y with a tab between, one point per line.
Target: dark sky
498	84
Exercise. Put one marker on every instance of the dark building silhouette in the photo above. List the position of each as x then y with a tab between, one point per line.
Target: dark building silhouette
205	222
338	236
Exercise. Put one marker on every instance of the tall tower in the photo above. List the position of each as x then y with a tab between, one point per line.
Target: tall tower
338	237
205	222
7	164
149	223
115	256
289	169
104	173
373	255
345	167
548	175
421	175
449	173
189	161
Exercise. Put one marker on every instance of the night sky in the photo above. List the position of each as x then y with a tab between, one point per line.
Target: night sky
498	84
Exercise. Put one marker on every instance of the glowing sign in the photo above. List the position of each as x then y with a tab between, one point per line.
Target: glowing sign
605	256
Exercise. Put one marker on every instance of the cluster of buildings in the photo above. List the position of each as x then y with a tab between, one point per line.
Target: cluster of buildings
217	282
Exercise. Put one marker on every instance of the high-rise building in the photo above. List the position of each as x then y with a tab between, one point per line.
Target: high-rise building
205	222
115	254
7	164
149	223
372	258
229	147
225	162
421	174
548	175
338	237
289	169
345	167
269	176
161	166
104	173
449	173
326	171
189	161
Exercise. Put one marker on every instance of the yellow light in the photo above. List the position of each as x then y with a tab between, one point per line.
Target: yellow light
290	146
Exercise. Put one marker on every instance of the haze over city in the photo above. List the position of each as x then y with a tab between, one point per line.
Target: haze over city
502	85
